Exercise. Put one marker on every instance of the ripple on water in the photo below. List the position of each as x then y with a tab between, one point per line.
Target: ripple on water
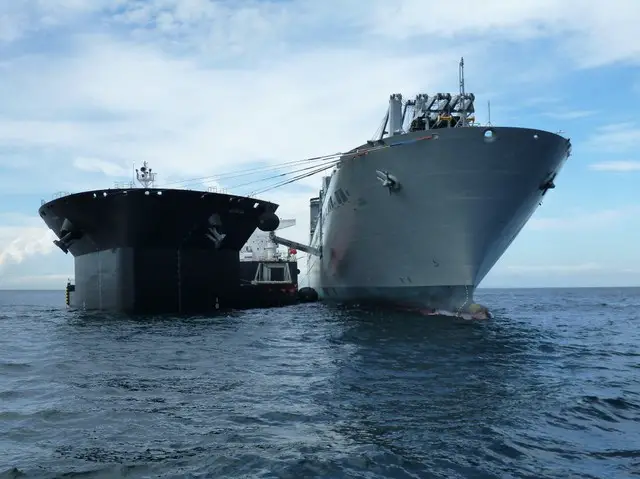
546	389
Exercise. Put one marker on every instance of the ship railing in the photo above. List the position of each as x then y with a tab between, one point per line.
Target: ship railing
215	189
124	185
278	258
470	121
55	196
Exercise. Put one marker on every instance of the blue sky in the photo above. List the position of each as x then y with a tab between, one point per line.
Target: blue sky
202	87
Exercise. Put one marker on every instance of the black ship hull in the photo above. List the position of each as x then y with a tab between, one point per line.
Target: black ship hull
156	251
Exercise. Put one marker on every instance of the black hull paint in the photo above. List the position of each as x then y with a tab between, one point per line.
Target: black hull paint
156	280
153	218
139	251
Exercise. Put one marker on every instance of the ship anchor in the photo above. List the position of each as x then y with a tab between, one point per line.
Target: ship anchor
388	180
548	185
212	232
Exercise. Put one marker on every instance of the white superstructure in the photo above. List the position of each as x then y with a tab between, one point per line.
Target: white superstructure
260	247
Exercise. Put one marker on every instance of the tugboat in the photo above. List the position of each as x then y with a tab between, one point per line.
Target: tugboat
267	274
142	249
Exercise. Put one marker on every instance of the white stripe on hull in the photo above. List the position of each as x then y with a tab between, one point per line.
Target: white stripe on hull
461	203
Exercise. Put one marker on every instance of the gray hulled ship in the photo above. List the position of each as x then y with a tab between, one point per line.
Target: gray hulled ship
418	216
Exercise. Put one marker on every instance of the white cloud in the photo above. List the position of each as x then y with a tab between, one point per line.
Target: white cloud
105	167
616	166
570	114
231	28
524	19
22	237
583	220
197	86
616	137
189	120
23	242
555	268
580	274
19	19
580	34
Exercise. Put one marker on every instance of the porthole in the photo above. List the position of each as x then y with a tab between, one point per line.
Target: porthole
489	135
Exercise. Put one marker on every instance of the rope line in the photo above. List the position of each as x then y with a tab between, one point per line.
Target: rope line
318	164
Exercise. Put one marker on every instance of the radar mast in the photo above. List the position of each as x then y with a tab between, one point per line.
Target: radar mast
461	75
145	176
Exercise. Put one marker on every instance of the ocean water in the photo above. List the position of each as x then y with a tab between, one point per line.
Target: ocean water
548	388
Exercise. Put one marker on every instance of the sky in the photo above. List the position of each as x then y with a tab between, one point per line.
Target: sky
88	88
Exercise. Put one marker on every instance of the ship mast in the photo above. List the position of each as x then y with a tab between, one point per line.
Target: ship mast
463	117
145	176
461	75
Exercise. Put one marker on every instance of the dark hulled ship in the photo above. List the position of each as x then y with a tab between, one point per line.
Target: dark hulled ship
154	250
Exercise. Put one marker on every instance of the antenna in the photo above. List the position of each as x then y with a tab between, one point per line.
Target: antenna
464	116
489	108
461	75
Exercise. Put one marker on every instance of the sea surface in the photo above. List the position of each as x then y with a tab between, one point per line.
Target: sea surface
548	388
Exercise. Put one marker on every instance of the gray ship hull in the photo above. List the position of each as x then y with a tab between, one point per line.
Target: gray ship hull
462	200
